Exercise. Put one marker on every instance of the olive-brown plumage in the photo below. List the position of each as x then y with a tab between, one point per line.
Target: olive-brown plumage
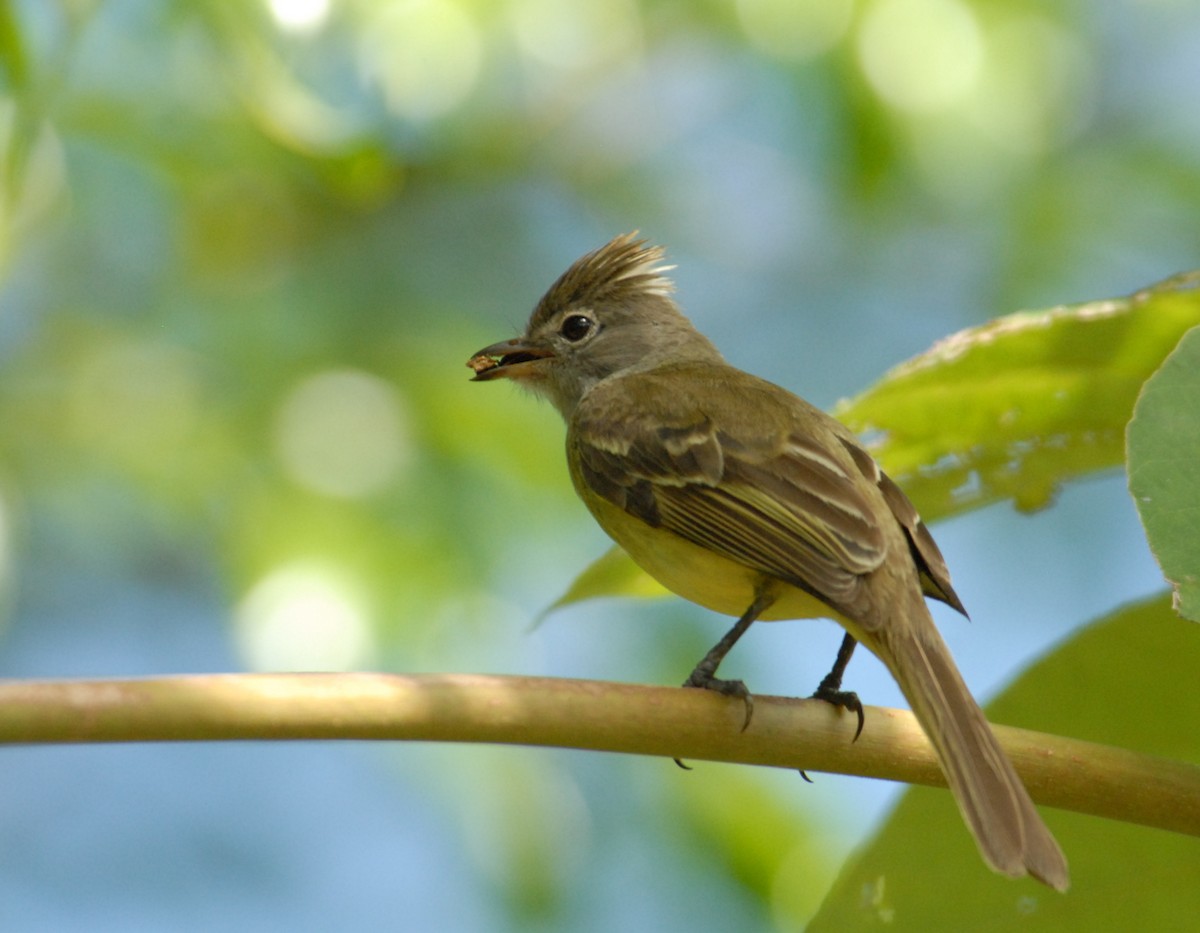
742	497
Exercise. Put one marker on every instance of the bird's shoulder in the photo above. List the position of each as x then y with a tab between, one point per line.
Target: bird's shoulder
708	407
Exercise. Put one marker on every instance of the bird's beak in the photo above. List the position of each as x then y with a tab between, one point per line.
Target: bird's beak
512	359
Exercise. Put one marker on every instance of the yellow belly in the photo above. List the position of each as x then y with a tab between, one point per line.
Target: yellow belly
701	575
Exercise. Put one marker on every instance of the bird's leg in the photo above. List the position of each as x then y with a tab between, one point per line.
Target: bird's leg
830	689
704	675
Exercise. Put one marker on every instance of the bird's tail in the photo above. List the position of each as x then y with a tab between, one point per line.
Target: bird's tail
994	803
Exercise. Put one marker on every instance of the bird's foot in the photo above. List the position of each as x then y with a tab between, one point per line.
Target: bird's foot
705	680
845	699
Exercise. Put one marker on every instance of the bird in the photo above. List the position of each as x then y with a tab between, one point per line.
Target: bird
740	496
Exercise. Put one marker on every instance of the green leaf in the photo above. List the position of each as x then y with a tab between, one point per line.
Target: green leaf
1164	469
922	871
613	574
1012	409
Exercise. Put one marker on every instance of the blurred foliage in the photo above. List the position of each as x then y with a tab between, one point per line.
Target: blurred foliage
1164	469
245	248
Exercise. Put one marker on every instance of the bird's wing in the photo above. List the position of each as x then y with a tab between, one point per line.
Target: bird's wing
782	495
931	566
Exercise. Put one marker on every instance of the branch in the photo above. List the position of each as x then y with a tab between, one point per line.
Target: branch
668	722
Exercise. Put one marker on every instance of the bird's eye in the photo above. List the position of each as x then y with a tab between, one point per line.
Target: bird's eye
576	327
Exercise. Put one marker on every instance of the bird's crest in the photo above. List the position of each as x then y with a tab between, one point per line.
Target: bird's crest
623	268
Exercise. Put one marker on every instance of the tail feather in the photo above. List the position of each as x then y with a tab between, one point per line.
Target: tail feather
994	803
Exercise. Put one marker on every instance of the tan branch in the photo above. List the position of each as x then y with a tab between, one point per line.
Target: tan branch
668	722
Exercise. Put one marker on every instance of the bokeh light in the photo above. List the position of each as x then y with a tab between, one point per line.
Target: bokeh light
577	36
426	55
795	30
921	56
1038	88
299	15
343	433
305	616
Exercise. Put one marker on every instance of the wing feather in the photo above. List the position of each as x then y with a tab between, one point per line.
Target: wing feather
787	504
